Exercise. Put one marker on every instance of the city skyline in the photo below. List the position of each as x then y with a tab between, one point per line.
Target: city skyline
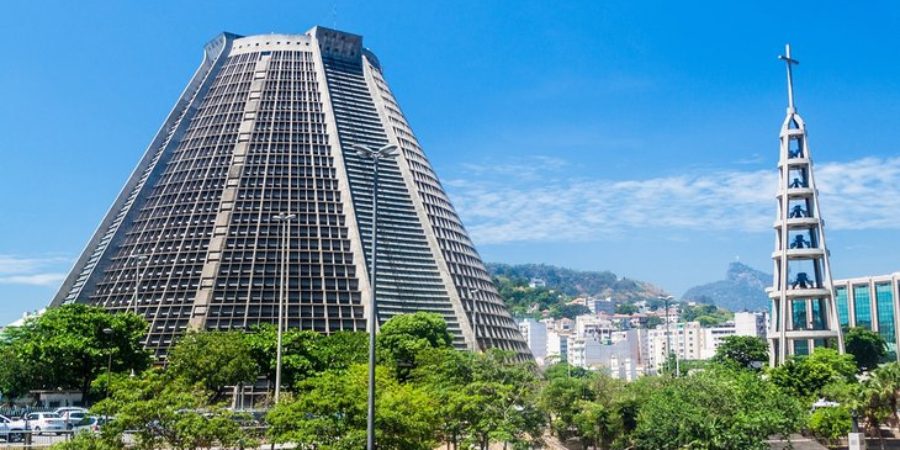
594	162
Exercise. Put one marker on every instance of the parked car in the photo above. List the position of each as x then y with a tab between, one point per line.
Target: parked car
11	430
89	424
41	422
71	418
67	409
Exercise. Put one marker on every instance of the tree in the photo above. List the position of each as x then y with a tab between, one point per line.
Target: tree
867	346
339	351
805	377
481	398
329	413
597	424
716	409
830	424
16	377
626	308
743	351
66	347
159	409
297	346
653	322
568	311
213	359
405	335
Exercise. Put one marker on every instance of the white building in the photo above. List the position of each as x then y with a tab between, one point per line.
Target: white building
691	341
599	328
557	346
750	324
535	334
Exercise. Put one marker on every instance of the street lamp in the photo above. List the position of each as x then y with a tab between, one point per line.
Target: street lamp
283	219
385	152
474	311
137	283
666	301
108	332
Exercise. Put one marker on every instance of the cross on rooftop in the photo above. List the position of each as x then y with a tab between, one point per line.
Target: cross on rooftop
789	62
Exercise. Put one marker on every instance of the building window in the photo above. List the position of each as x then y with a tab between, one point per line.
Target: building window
863	306
884	299
799	313
843	310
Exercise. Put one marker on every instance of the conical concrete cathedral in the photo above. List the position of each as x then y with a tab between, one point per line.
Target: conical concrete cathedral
266	127
803	311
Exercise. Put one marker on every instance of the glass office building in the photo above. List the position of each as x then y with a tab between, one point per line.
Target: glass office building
873	303
268	125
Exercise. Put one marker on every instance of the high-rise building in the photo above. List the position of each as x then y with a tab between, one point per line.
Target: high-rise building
269	125
803	313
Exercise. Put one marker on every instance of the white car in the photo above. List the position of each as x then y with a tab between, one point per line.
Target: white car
11	430
71	418
69	409
42	422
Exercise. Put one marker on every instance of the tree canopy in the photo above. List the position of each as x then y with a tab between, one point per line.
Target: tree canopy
867	346
68	347
213	359
743	351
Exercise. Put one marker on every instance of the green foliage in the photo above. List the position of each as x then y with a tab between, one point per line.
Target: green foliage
718	408
805	377
867	346
707	315
160	409
329	413
597	423
878	396
520	298
404	336
742	351
66	348
213	359
653	322
565	370
626	308
86	441
482	398
16	377
568	311
304	353
830	424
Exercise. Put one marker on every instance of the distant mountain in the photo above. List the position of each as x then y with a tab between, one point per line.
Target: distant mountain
575	282
742	289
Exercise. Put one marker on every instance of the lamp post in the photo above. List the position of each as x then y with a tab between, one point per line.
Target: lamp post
385	152
137	282
474	311
108	332
283	219
666	301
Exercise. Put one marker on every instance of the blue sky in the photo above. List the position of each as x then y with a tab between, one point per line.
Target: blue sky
637	137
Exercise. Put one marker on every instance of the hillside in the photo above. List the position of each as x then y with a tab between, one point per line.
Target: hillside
743	289
563	285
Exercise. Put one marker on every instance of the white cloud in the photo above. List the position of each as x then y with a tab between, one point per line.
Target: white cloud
34	271
38	279
861	194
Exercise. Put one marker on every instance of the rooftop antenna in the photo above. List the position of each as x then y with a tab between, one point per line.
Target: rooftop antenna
788	61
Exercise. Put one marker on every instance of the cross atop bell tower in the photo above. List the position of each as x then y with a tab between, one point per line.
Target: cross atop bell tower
788	61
